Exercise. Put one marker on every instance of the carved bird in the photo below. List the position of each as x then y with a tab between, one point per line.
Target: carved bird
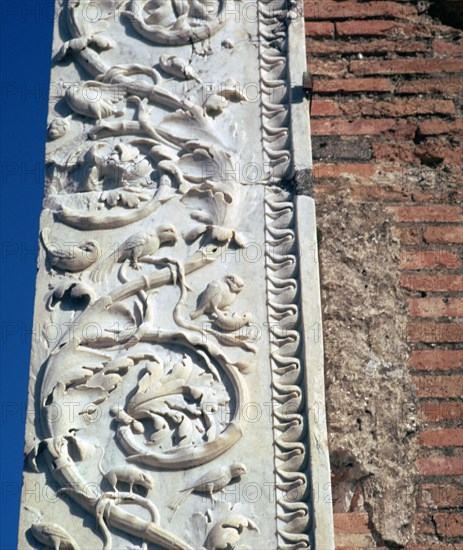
51	534
74	258
211	482
135	247
54	536
219	295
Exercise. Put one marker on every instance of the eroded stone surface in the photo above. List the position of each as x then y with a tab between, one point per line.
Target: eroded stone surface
371	406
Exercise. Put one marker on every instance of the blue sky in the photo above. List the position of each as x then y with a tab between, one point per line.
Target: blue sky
26	35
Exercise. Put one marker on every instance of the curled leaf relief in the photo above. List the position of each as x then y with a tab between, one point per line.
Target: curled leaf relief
176	23
225	527
72	293
177	399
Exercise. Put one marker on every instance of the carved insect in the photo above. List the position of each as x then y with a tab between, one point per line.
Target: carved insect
79	44
126	420
51	534
178	67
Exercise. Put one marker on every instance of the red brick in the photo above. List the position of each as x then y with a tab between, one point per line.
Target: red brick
410	235
444	234
442	524
434	151
338	47
436	359
398	108
441	411
396	151
321	67
435	213
353	522
429	259
435	307
445	466
352	85
405	66
442	438
447	48
338	170
433	283
437	126
319	30
435	332
447	86
372	28
449	524
371	127
325	107
326	9
424	524
440	496
438	386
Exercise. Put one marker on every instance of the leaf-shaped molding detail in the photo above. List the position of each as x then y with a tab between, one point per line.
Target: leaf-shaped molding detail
176	23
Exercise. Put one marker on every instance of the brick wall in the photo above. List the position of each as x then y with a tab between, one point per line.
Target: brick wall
387	129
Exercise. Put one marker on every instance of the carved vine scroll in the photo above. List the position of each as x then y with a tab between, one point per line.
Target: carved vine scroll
170	383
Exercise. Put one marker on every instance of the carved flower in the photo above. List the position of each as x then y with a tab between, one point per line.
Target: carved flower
59	127
125	164
120	166
124	197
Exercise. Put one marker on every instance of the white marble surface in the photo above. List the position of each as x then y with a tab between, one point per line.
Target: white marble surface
172	384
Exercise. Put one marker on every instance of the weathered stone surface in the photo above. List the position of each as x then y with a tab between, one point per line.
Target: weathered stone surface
372	419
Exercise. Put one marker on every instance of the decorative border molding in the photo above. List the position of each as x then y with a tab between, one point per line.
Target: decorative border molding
275	105
290	421
302	471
